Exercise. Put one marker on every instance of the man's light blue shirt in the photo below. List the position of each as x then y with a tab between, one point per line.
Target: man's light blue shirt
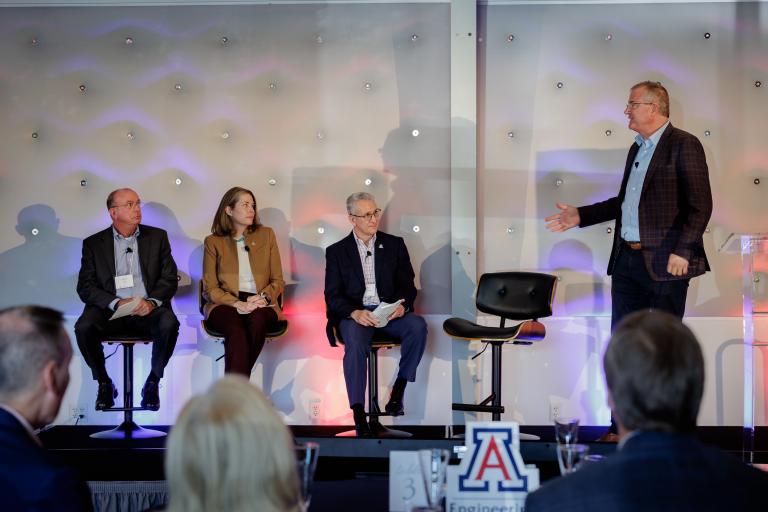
630	217
127	262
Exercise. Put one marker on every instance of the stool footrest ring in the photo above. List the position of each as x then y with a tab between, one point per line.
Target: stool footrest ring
478	408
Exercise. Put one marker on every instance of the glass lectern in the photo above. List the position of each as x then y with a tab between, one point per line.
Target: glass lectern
753	248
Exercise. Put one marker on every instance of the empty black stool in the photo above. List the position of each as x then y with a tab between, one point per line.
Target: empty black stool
525	296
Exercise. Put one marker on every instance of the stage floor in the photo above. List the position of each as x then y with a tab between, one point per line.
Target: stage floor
350	471
341	457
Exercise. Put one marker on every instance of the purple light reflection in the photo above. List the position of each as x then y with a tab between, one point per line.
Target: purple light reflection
606	112
674	70
79	162
127	113
174	67
269	65
154	26
573	71
77	63
228	109
175	157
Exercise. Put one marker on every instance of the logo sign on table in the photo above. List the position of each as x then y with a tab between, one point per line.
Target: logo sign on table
492	475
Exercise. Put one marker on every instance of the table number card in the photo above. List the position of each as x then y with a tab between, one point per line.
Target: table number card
406	486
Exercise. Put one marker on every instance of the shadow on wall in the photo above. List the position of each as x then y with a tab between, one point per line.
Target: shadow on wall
188	254
420	200
588	297
304	274
303	265
42	270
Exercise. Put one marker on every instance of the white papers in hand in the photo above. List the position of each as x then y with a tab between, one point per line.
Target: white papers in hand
126	308
384	310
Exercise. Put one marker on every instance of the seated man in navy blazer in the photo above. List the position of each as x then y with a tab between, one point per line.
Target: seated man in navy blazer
654	369
364	269
127	261
35	352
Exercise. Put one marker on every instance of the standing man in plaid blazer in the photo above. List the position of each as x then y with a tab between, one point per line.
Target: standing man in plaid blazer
661	211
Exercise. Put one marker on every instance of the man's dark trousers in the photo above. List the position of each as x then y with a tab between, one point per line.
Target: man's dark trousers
411	329
94	326
633	289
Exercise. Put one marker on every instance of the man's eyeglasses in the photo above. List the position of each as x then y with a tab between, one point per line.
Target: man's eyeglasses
632	105
368	216
130	205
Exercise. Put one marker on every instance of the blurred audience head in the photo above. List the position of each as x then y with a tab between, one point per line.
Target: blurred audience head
35	352
229	450
654	369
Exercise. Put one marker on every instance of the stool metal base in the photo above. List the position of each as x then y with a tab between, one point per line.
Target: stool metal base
378	431
128	430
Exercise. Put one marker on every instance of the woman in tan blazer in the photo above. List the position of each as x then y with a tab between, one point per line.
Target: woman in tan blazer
242	279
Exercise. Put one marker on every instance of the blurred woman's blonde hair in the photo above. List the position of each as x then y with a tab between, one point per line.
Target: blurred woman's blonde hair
230	451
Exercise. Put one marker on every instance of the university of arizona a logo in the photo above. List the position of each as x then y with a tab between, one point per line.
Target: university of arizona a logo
492	470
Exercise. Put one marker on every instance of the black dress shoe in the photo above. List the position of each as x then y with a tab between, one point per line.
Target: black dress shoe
150	396
106	395
362	429
395	407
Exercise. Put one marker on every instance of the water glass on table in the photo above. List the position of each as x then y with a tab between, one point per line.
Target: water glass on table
566	430
433	463
306	463
571	456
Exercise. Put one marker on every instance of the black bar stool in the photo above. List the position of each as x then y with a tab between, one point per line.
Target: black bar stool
378	342
525	296
128	429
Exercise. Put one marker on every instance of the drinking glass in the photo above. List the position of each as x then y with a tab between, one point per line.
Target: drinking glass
433	465
566	430
570	456
306	462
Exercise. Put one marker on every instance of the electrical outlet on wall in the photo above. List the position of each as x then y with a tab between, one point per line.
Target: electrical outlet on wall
555	409
78	415
315	409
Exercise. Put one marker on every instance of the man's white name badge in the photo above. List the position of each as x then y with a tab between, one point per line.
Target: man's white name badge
492	475
125	281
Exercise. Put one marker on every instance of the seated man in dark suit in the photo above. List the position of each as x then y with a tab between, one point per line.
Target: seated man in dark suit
35	352
654	369
362	270
125	261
